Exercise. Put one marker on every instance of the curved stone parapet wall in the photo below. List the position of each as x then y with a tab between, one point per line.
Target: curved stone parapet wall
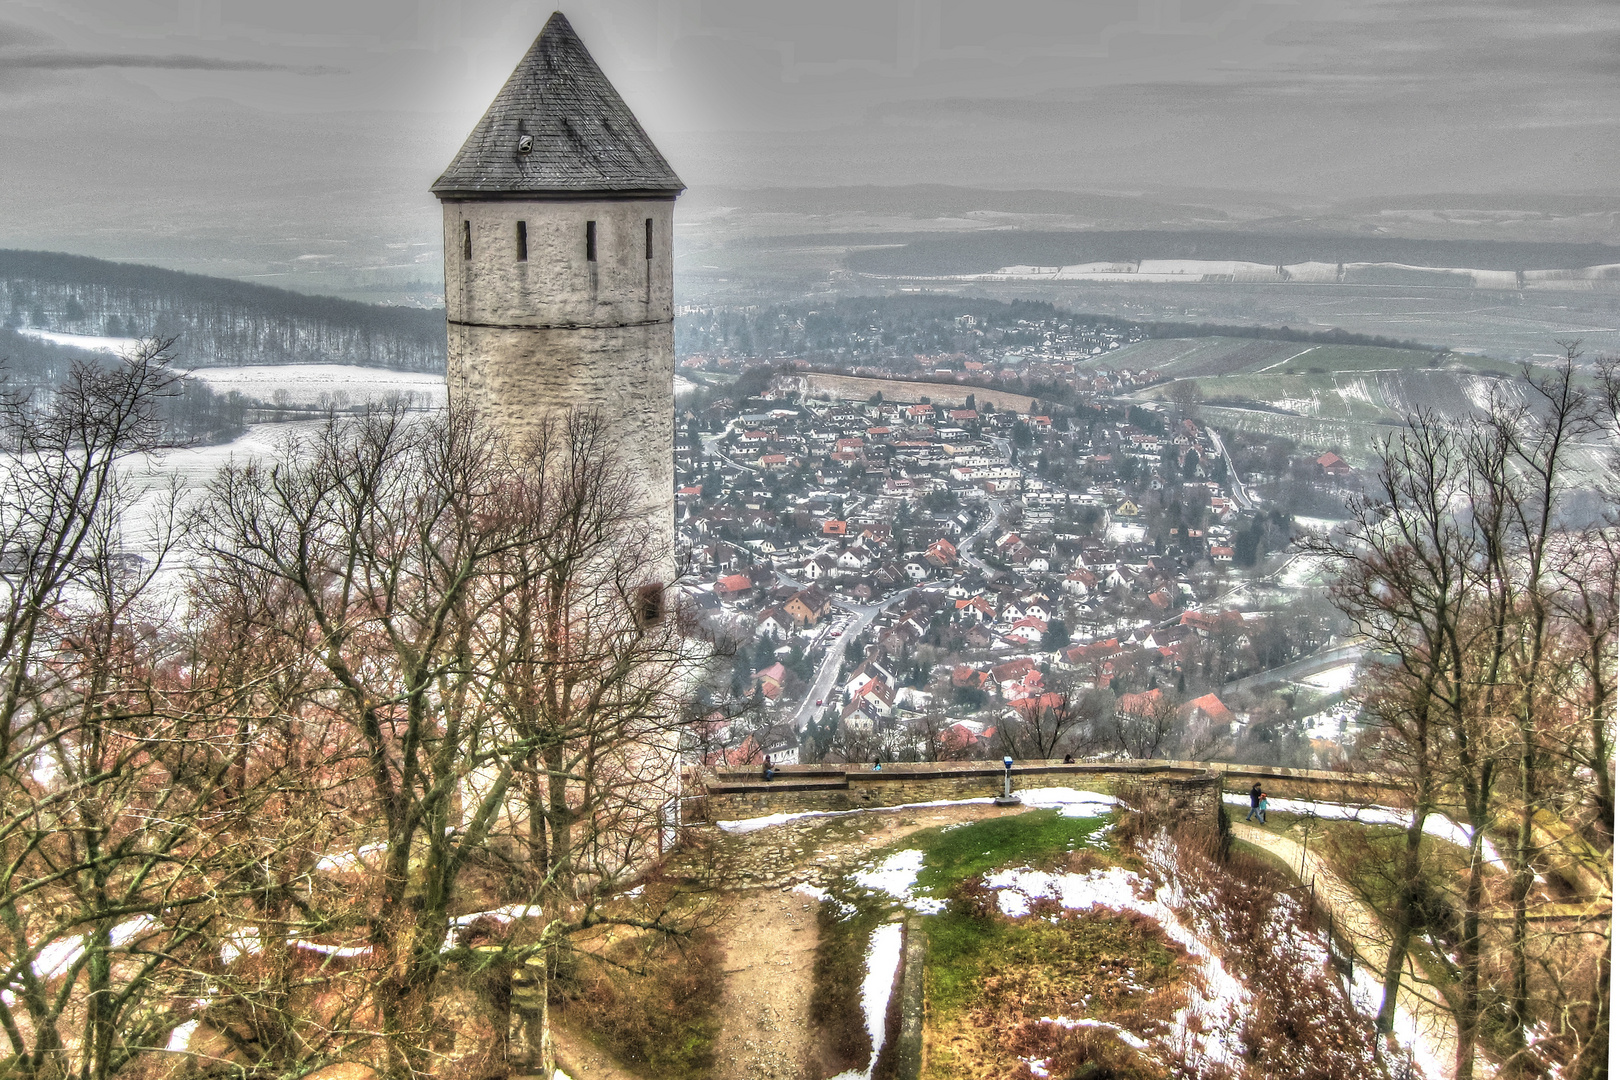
1190	789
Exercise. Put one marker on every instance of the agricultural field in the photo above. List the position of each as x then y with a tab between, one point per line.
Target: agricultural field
1192	357
1345	398
314	384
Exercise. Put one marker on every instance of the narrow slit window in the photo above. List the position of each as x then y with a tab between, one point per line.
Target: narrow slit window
590	241
466	240
523	241
650	604
649	239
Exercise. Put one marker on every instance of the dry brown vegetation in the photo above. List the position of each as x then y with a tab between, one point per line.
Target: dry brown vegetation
409	671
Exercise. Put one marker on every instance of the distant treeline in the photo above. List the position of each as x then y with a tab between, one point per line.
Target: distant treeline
195	414
1334	336
981	252
217	320
851	330
889	331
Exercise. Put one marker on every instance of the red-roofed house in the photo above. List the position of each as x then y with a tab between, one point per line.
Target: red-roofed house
1208	710
732	586
1334	465
1029	630
770	681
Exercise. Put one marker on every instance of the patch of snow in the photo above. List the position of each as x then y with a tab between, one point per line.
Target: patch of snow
897	876
1356	390
55	959
180	1037
1303	570
241	942
1367	994
332	950
504	914
1335	679
348	860
1071	802
1133	1041
748	825
882	961
1303	406
1317	524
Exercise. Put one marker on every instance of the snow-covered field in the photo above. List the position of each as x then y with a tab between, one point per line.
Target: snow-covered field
188	472
1121	533
306	383
92	342
1318	524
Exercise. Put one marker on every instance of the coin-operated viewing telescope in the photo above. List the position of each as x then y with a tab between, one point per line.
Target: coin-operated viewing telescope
1007	798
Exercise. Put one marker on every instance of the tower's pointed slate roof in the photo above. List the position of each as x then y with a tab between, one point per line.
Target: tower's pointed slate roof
585	140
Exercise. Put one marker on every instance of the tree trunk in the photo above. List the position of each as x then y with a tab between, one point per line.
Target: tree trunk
548	1049
560	818
1467	1006
1404	918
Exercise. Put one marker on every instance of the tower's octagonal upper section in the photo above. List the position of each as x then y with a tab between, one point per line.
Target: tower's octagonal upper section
558	129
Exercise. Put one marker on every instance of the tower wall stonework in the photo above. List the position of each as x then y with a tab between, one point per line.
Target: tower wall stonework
531	338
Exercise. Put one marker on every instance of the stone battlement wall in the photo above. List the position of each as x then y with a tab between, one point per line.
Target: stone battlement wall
1193	786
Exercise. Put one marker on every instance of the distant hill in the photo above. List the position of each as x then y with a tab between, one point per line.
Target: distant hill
984	251
219	321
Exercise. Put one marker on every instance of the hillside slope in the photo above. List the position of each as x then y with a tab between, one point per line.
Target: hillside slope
217	320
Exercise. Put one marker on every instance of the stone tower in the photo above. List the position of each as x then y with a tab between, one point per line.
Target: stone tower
559	267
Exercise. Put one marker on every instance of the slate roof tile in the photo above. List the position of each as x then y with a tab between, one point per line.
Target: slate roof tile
585	140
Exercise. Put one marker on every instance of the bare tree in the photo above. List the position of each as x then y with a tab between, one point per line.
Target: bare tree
1404	570
1141	725
1046	726
113	797
495	670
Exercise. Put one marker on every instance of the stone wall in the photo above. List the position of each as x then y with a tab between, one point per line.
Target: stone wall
529	338
851	388
1189	787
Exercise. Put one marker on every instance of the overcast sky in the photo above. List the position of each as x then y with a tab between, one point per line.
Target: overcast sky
126	123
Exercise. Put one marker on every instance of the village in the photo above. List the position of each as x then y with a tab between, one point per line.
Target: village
916	581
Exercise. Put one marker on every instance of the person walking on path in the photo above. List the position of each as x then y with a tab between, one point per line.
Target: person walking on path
1254	802
1261	807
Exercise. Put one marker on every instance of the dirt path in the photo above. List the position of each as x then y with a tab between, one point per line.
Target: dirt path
770	930
580	1060
770	956
1364	932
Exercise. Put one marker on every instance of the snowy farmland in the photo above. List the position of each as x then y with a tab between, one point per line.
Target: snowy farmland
315	384
93	342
